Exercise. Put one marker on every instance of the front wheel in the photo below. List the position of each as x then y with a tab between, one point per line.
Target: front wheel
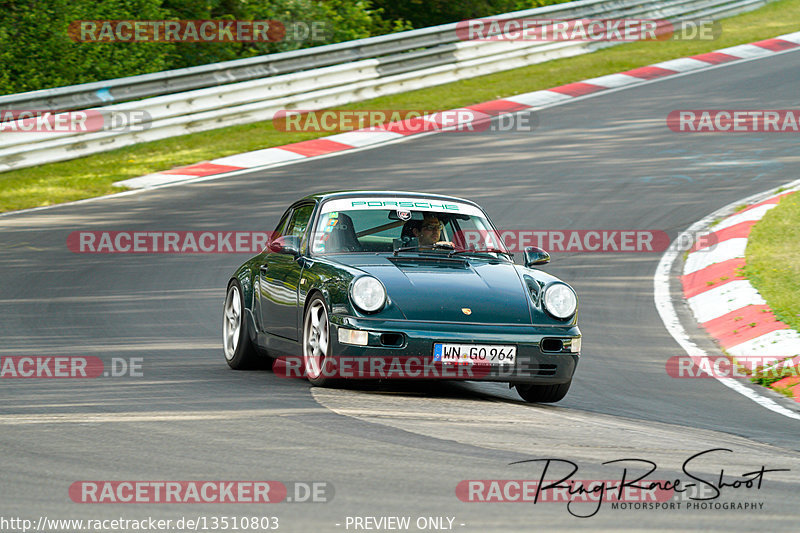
239	351
542	393
316	343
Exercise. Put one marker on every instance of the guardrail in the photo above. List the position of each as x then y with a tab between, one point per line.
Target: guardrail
250	90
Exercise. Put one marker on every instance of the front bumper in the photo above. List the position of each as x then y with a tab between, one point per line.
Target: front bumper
401	340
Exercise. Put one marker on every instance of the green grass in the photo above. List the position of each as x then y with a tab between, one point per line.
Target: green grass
773	259
765	377
93	175
788	392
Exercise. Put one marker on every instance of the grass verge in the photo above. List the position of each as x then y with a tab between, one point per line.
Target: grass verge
93	175
773	259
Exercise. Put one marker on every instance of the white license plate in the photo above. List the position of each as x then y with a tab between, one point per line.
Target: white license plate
475	354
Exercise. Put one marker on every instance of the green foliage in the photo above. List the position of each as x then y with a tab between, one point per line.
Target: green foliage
36	51
339	20
423	13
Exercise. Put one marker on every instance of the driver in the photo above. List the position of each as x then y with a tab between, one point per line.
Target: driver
427	231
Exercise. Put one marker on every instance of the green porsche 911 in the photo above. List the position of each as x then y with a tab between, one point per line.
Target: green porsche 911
393	285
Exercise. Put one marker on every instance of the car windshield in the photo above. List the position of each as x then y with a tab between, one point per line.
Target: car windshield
372	225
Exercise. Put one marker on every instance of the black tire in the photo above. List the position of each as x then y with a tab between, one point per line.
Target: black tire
316	346
542	393
240	354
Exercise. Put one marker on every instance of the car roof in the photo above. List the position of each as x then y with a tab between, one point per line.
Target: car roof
325	196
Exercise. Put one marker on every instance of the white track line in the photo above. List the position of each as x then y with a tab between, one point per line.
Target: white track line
668	314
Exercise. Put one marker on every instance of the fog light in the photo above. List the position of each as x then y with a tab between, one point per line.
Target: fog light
353	336
575	345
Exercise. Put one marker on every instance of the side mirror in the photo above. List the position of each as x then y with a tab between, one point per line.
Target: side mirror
288	244
536	256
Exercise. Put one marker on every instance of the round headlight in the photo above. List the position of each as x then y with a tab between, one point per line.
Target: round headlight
560	301
368	294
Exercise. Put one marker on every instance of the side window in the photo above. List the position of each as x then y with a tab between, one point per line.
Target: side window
281	229
299	221
449	230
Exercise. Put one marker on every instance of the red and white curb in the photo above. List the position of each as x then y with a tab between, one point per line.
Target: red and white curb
667	302
726	304
282	155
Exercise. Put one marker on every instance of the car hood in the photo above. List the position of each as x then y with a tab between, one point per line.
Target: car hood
450	290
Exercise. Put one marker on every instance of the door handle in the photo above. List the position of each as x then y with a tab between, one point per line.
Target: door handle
264	268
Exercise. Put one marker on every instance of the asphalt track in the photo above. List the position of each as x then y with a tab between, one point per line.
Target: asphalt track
606	162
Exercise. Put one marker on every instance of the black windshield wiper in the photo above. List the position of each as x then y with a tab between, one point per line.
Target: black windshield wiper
436	246
486	251
404	249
